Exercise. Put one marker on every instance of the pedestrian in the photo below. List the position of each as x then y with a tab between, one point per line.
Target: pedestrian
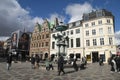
101	61
33	61
82	64
118	63
51	64
9	61
75	65
61	65
47	64
113	65
37	60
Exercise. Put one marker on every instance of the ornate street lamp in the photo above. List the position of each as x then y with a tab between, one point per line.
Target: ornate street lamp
61	38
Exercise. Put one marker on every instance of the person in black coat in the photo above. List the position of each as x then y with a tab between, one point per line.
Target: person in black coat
60	65
37	60
33	61
9	61
75	65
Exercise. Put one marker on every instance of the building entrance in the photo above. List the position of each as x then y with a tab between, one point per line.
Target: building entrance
95	57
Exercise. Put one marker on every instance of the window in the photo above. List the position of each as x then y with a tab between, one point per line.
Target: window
86	17
109	30
47	35
87	33
77	42
68	43
77	23
53	45
64	33
108	20
100	30
86	25
46	44
71	32
94	42
73	24
42	36
87	42
42	44
101	41
44	29
71	43
110	41
77	31
39	44
67	32
99	14
93	23
93	32
100	22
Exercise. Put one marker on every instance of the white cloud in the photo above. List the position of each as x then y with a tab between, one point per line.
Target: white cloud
37	19
75	11
117	37
55	15
14	17
3	38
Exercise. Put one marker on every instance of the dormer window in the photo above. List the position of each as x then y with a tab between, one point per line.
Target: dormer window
77	23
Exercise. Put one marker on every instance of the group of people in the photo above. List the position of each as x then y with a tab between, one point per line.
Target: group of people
35	61
114	61
83	63
49	64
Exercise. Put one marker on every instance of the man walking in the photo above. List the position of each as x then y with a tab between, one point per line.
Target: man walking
60	65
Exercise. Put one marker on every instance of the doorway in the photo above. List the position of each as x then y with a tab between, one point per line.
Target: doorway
95	57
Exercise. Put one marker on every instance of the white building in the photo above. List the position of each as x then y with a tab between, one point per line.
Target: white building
92	37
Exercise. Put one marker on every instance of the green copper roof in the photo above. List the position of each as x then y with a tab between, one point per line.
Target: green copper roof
50	25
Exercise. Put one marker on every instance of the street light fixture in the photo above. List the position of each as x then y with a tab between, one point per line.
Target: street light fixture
61	39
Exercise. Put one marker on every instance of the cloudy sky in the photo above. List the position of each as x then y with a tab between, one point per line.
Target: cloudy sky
20	14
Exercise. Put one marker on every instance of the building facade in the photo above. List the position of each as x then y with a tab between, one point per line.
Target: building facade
92	37
24	45
40	40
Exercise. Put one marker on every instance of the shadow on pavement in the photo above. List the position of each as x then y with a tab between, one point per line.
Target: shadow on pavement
68	72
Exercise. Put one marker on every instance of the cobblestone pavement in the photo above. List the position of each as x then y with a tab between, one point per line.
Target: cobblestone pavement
23	71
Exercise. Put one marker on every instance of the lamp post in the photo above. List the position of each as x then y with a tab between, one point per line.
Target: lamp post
61	38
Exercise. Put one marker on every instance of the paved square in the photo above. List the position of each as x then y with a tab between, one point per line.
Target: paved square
23	71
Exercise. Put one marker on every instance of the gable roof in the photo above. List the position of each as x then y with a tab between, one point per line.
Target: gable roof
39	26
